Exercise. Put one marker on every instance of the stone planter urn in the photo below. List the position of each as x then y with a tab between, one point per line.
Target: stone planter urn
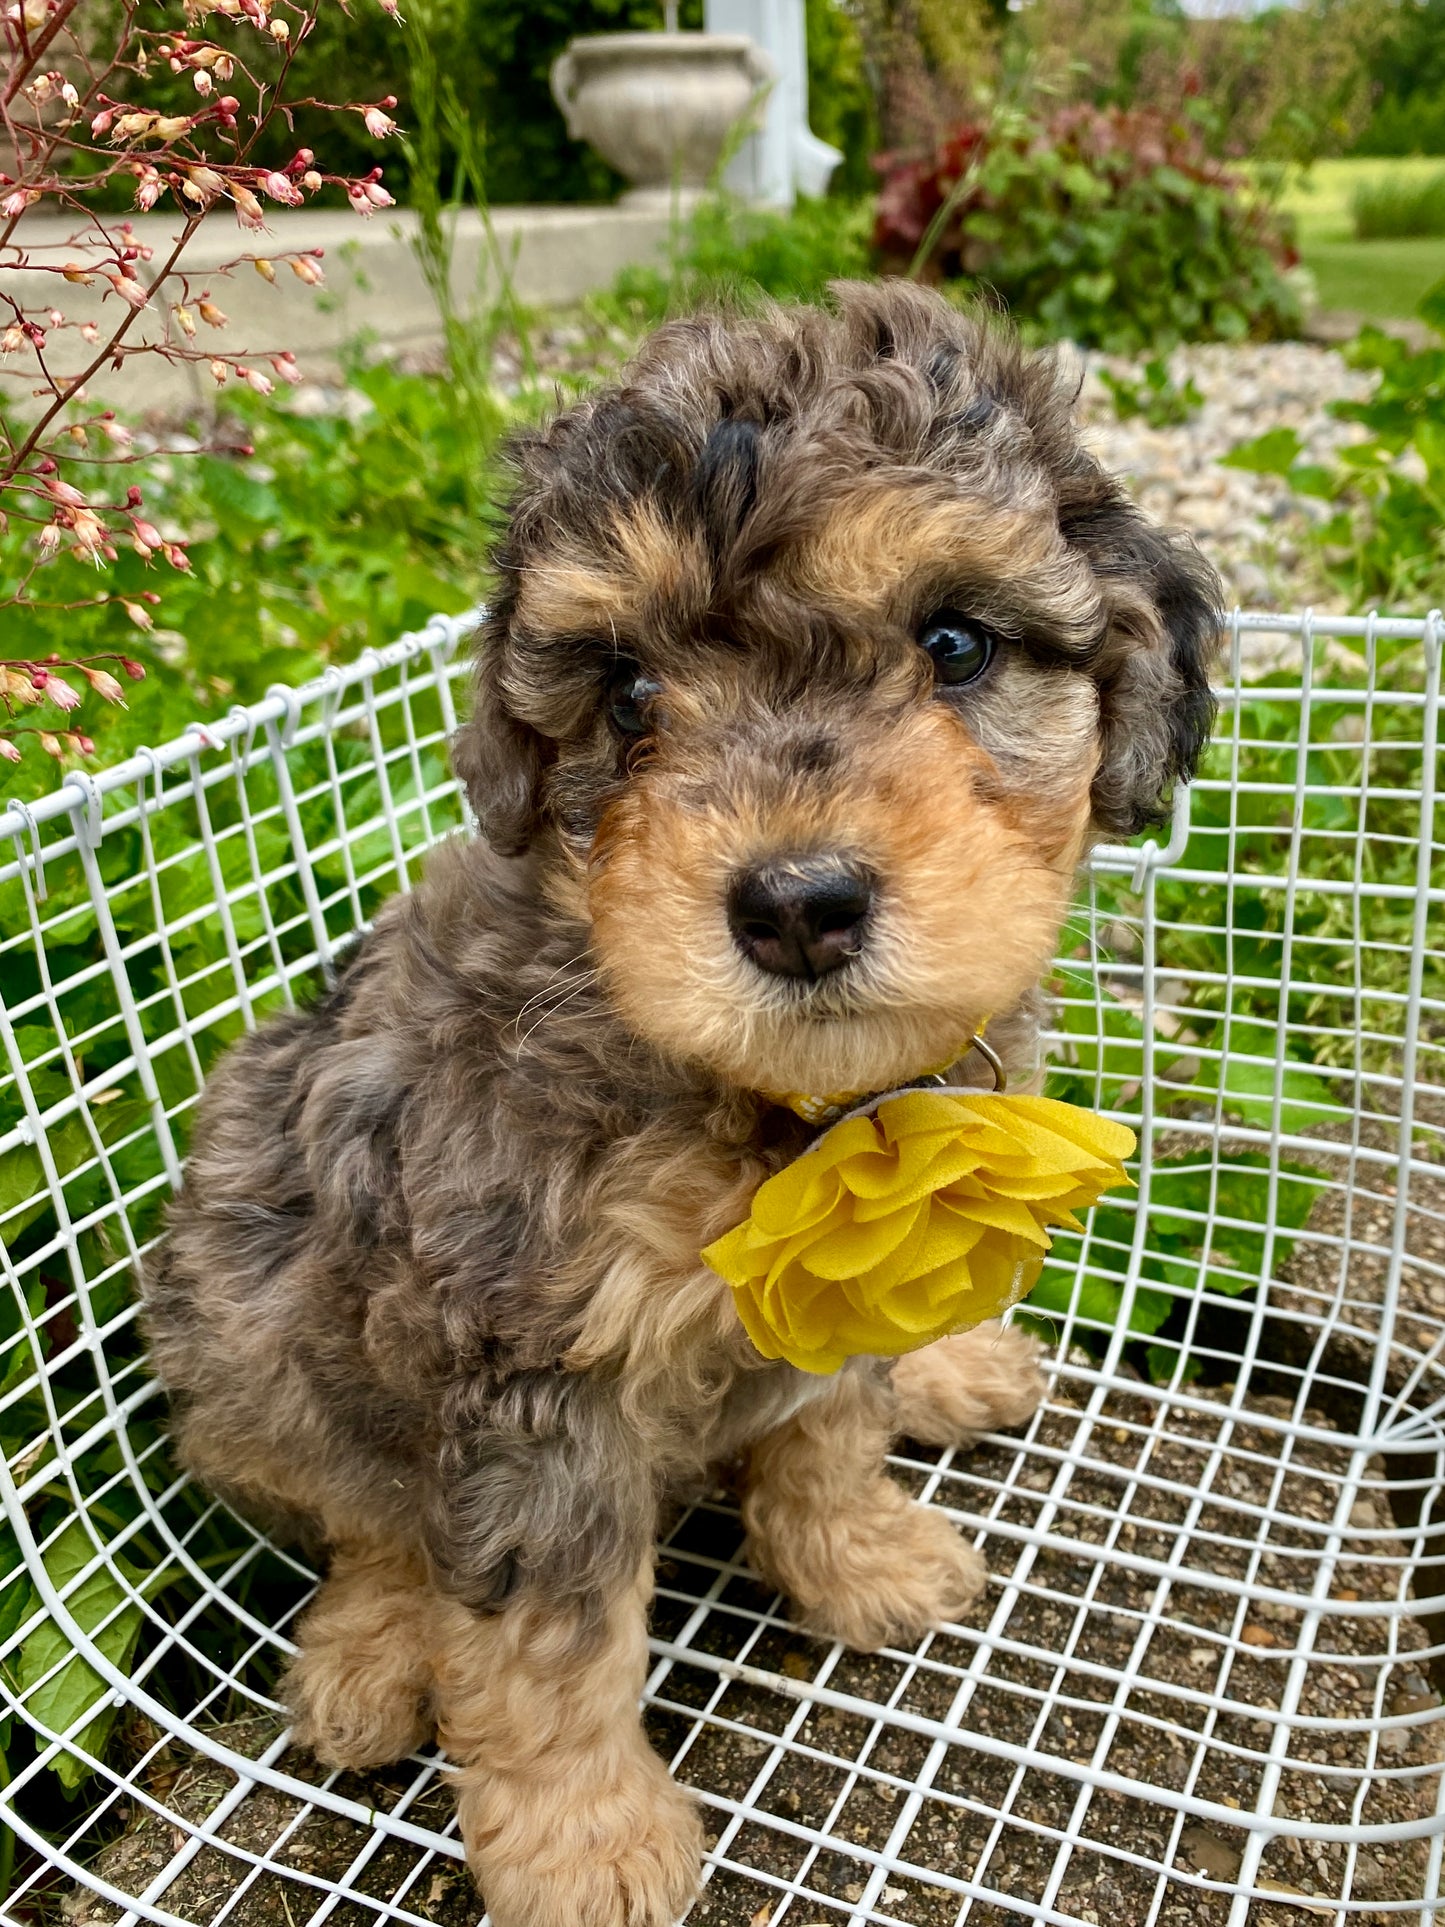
659	106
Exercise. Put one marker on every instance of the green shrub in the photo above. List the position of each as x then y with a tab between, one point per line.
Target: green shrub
1117	230
1390	209
1399	128
1406	68
727	252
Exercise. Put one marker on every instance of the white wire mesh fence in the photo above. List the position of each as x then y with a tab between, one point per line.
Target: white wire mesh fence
1202	1686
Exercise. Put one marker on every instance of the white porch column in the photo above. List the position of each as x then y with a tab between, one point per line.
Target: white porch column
784	158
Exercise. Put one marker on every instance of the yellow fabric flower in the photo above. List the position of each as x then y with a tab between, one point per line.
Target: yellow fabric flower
924	1218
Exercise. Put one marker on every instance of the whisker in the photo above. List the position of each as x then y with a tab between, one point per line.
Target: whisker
551	1012
552	989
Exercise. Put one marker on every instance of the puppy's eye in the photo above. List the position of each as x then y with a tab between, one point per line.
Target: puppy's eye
961	648
628	702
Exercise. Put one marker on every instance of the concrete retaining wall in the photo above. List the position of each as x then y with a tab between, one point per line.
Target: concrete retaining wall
373	286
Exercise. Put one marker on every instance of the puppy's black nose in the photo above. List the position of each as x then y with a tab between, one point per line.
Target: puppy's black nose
801	916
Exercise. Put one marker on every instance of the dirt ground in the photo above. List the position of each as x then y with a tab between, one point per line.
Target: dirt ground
1045	1678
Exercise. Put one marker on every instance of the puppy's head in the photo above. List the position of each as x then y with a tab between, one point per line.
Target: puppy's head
821	648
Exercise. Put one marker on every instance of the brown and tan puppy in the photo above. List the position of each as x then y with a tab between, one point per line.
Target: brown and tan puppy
820	651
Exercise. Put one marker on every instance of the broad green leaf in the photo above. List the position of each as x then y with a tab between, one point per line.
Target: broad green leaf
1249	1094
20	1360
1273	453
61	1700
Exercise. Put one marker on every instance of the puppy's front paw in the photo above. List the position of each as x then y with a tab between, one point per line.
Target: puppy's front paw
624	1851
352	1713
957	1388
891	1586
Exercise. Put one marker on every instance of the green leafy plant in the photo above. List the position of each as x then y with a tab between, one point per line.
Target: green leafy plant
1274	1007
1118	230
1163	402
293	560
1384	542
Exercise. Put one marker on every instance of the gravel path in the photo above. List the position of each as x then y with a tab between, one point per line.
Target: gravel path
1251	526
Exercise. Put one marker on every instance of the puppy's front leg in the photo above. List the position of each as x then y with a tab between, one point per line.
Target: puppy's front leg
859	1559
569	1817
954	1390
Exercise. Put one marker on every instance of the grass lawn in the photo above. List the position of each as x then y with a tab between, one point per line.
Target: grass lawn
1375	278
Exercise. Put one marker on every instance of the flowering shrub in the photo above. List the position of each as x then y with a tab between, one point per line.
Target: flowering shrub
84	115
1115	229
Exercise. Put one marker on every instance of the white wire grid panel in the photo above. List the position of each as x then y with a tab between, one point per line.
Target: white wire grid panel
1202	1684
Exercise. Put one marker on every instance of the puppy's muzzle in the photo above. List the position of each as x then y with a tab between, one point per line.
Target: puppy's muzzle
801	916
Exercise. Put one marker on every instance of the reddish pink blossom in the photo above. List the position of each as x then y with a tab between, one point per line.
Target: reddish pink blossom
63	492
282	189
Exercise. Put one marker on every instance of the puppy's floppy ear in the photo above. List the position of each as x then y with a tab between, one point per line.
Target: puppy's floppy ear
498	758
1156	708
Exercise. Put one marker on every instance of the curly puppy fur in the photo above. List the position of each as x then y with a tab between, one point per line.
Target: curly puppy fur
432	1292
